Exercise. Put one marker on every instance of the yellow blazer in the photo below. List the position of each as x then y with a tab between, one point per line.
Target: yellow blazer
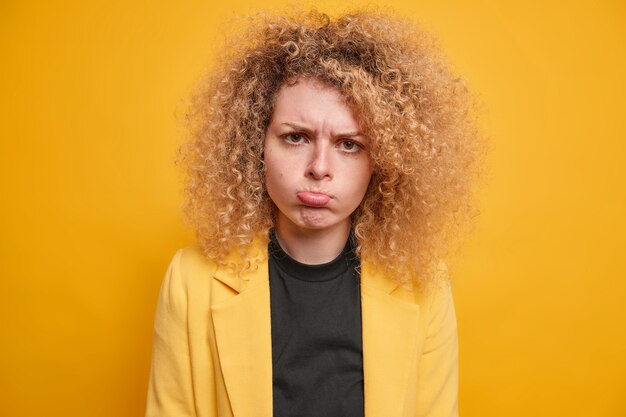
212	353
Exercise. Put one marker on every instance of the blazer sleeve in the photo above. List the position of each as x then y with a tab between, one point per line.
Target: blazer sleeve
438	372
170	391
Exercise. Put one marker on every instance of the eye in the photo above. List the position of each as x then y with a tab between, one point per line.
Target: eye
293	138
350	146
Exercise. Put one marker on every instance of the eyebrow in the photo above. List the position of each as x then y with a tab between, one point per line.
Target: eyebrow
305	129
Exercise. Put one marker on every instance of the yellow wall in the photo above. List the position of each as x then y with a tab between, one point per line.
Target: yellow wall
90	99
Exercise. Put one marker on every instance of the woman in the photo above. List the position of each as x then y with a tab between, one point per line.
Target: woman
330	161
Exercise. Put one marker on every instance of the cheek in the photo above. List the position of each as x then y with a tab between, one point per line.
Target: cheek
363	177
275	179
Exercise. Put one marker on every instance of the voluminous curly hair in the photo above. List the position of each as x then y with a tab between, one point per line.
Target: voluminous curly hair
416	112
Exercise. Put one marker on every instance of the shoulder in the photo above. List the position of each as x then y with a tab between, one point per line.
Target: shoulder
193	262
189	268
435	296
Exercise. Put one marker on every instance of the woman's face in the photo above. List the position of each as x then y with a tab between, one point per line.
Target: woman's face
317	166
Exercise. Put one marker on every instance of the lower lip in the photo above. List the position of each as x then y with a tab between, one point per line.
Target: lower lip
314	199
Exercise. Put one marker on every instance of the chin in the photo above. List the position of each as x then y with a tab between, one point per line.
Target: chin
318	221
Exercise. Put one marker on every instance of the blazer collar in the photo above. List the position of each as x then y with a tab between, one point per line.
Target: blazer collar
258	275
243	334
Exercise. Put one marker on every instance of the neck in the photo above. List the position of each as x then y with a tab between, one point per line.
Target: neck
310	246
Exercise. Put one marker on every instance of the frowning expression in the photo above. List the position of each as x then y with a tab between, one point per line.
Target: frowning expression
317	165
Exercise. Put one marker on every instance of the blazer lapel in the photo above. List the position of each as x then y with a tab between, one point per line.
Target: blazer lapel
390	328
243	337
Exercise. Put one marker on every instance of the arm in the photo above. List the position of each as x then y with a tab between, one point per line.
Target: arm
438	371
170	388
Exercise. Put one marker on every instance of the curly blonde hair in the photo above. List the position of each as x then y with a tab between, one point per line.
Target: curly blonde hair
416	112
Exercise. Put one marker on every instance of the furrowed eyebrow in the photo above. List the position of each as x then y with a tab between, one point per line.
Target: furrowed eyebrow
297	126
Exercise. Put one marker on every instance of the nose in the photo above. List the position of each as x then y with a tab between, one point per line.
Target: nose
320	165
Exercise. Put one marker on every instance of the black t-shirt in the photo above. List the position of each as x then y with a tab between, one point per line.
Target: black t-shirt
317	353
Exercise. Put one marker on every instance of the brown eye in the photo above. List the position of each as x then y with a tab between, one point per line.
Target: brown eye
294	138
350	146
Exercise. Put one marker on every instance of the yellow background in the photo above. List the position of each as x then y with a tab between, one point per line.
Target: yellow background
91	99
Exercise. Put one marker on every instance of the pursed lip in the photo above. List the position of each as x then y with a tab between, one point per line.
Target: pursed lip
313	198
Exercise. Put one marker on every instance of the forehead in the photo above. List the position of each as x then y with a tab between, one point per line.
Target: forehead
313	103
